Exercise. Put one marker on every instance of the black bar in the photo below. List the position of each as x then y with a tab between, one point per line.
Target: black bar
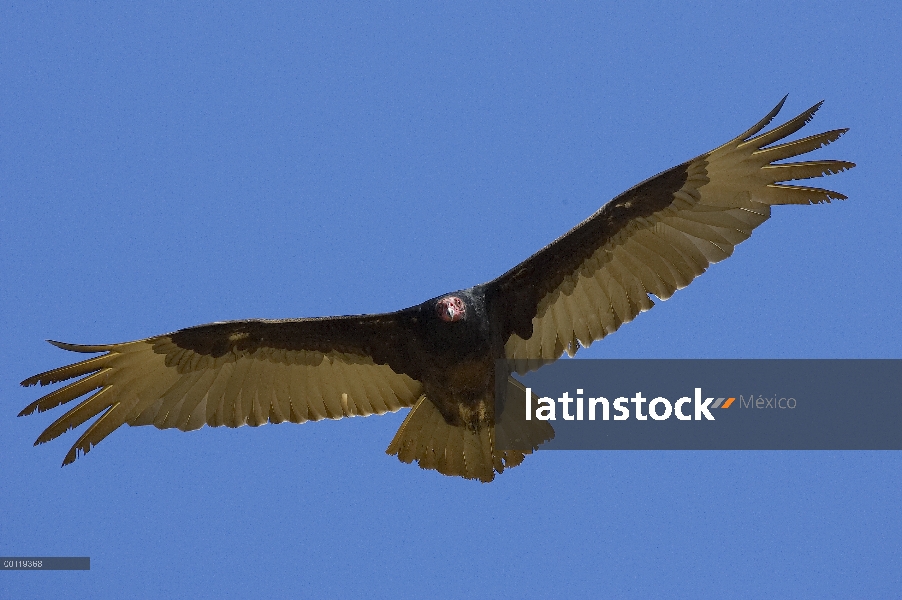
791	404
45	563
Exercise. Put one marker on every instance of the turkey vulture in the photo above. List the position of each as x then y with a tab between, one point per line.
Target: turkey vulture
440	357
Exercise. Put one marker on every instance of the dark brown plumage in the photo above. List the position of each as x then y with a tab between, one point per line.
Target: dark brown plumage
439	357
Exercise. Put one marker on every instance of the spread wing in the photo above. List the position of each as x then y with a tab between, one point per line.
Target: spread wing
238	373
653	239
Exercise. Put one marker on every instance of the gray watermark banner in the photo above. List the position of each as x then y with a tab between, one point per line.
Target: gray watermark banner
646	404
45	563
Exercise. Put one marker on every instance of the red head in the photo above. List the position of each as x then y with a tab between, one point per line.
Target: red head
450	309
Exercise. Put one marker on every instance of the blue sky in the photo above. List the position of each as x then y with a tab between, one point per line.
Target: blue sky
170	164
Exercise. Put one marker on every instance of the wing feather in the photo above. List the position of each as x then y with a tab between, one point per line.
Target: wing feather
67	393
695	260
660	259
682	267
190	405
804	170
234	414
188	396
195	419
235	373
654	239
786	129
813	142
77	415
174	399
254	395
62	374
217	409
583	309
98	430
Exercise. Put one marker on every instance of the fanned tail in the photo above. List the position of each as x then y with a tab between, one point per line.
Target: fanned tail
425	436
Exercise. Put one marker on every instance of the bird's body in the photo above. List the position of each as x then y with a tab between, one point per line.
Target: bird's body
440	357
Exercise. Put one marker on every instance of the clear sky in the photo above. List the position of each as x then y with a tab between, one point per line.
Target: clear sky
177	163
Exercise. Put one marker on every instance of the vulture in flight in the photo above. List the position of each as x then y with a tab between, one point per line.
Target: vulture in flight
439	358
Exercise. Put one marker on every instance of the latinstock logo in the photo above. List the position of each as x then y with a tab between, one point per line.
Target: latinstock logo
701	404
659	408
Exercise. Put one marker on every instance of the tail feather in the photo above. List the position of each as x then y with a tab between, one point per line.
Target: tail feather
427	438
